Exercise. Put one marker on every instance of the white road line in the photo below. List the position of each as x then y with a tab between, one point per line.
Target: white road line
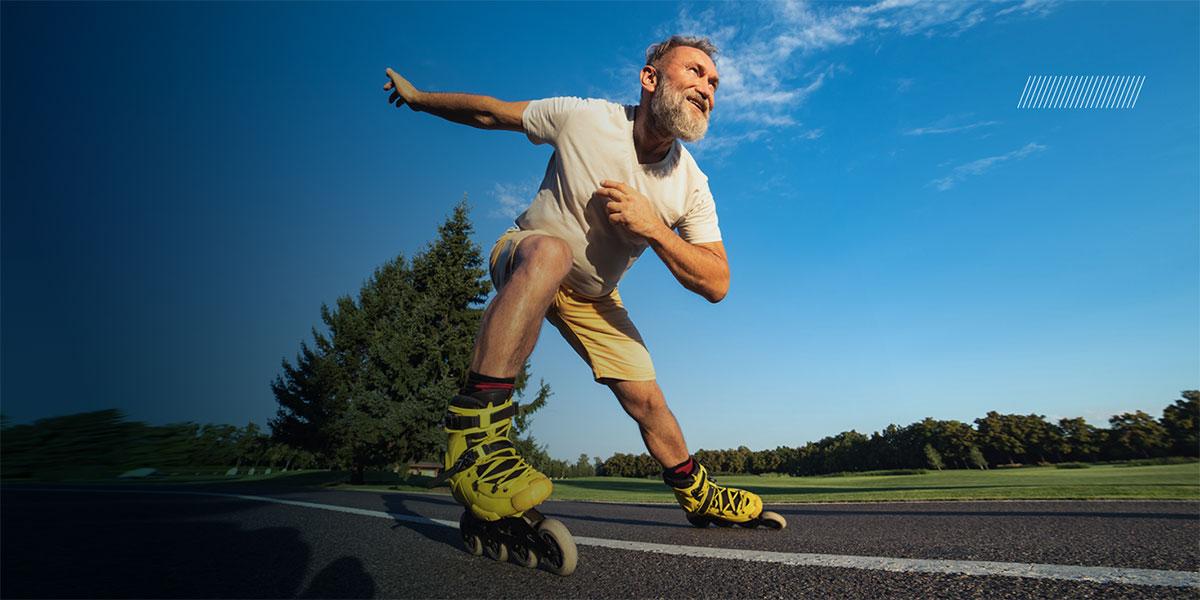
1148	577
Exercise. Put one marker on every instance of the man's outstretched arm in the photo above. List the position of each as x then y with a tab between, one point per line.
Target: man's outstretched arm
483	112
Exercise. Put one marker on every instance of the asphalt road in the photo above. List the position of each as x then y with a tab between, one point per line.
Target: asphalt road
69	543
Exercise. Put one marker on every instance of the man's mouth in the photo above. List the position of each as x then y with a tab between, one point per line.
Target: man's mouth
699	106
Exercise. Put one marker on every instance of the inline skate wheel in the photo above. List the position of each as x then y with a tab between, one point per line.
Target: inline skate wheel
471	540
698	521
524	556
772	520
495	550
560	553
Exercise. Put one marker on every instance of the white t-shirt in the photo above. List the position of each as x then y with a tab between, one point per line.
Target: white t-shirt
593	141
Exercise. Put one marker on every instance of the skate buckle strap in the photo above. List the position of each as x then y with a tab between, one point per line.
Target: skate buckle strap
468	460
455	422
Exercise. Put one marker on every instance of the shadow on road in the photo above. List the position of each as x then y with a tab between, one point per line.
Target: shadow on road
396	504
96	545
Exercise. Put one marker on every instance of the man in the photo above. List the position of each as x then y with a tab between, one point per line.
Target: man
618	182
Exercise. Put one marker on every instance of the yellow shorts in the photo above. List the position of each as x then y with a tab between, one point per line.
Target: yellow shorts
598	329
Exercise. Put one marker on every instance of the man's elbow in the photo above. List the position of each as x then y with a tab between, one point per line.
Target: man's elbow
716	293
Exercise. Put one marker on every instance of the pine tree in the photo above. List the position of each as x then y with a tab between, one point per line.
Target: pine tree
373	391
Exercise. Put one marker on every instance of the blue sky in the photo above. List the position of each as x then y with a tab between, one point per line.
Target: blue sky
185	184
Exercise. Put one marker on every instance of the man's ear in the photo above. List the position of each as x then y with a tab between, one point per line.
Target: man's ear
649	78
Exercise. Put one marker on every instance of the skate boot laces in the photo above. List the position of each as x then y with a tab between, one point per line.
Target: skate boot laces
705	497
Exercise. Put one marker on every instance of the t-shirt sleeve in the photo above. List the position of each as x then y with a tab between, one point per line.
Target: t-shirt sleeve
699	223
544	119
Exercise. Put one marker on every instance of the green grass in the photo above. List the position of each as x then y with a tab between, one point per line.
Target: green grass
1161	482
1112	481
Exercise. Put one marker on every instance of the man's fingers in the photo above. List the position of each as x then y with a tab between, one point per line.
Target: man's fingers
613	206
613	193
618	185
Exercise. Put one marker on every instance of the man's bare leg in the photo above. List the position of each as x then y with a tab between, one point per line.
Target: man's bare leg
513	319
479	453
700	497
644	401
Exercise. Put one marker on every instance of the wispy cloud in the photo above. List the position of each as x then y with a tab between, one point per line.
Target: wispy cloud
769	51
1039	8
936	129
513	198
982	165
721	145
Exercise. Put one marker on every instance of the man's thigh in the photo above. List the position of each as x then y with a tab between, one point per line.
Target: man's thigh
602	333
504	255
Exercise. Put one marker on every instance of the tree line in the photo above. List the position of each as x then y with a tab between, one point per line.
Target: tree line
995	439
106	439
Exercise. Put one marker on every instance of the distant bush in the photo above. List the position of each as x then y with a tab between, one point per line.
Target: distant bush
897	472
1072	465
1165	460
877	473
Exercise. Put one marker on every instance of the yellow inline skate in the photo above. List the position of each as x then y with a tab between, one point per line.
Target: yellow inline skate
706	502
498	488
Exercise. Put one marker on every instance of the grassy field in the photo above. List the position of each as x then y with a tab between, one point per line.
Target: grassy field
1153	482
1159	482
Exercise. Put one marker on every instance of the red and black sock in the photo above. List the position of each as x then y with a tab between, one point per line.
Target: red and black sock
485	383
681	474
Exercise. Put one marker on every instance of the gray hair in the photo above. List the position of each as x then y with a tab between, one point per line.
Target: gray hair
655	52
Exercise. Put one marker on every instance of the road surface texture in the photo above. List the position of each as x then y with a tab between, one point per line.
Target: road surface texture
195	542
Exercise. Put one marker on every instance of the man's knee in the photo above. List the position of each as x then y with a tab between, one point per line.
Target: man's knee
545	256
641	399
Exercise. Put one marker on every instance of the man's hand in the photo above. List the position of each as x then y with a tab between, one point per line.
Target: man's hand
629	209
403	92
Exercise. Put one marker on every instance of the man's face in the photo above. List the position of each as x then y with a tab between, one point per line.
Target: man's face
685	94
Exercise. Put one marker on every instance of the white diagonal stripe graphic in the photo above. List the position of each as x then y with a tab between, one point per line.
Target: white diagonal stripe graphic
1108	100
1033	97
979	568
1116	101
1128	92
1139	90
1087	93
1066	92
1112	89
1083	85
1022	98
1087	81
1100	92
1037	102
1066	101
1124	92
1037	83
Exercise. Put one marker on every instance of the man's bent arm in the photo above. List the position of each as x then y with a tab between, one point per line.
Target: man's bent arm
701	268
483	112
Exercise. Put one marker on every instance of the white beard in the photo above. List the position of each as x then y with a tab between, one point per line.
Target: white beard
675	115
